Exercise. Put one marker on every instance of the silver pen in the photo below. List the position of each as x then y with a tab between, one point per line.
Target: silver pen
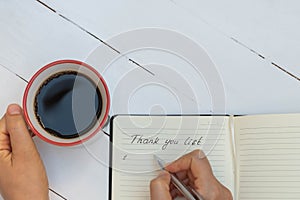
188	193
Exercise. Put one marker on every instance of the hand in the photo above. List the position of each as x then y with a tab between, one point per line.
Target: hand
22	173
194	170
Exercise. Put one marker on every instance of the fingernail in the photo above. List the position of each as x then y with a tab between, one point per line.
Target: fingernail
14	109
201	154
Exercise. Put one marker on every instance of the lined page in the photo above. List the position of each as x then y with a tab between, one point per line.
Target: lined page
137	138
268	156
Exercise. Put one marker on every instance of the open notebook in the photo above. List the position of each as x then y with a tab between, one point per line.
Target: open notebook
256	157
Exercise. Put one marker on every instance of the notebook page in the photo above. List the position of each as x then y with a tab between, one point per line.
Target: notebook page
268	156
137	138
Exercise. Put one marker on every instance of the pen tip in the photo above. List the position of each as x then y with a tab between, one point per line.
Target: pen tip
157	158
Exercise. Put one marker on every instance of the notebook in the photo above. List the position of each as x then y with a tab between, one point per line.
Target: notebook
256	157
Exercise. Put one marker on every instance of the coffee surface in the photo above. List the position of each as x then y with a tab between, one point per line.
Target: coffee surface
68	105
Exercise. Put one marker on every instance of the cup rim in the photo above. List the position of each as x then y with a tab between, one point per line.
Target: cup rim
80	140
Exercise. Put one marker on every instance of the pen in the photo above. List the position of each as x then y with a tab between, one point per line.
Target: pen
188	193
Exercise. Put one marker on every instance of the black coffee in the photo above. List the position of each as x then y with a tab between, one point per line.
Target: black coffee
68	104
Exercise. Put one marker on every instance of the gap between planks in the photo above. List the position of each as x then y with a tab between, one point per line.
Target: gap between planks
260	55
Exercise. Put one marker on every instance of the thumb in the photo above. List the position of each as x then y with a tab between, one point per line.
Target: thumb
159	187
20	139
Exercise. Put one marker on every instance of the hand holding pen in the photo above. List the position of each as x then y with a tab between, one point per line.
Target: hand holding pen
193	170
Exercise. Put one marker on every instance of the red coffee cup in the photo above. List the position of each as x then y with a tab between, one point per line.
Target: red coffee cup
66	102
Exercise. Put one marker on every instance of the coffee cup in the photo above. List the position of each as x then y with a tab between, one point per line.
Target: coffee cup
66	102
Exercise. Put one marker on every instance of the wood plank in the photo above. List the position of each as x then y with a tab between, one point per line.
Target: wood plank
52	196
249	80
32	37
12	88
270	28
79	172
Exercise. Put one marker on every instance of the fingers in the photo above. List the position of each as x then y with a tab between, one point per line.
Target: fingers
195	171
160	187
3	126
20	139
194	161
5	147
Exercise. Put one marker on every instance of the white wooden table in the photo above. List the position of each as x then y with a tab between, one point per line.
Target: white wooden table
254	46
